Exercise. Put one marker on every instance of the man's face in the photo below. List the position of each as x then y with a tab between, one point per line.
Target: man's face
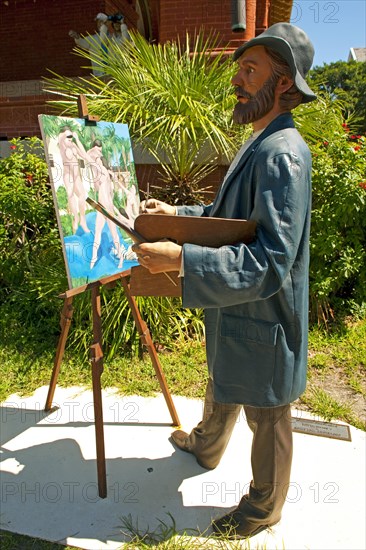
254	86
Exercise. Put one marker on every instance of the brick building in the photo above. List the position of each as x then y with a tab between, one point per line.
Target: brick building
34	39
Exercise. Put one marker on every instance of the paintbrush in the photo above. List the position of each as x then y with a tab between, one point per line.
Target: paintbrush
135	236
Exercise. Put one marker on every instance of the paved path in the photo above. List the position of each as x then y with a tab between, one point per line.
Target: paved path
49	489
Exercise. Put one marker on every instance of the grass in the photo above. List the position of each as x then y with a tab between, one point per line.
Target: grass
184	368
336	387
166	537
11	541
337	359
324	405
337	365
343	347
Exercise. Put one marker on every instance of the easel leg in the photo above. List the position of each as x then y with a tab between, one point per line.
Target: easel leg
97	369
66	316
147	341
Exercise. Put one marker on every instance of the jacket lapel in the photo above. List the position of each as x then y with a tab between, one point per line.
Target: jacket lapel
282	121
229	180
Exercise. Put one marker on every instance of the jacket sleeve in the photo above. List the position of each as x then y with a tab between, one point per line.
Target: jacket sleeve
195	210
241	273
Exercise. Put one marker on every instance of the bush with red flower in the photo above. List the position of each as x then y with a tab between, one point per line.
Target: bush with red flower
338	233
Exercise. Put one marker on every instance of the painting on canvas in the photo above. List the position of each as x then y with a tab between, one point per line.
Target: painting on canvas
93	161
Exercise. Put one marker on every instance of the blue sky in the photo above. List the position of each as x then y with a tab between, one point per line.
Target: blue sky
333	26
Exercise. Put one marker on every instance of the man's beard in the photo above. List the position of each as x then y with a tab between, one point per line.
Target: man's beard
258	105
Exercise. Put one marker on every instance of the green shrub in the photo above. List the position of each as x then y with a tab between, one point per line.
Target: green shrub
338	232
31	264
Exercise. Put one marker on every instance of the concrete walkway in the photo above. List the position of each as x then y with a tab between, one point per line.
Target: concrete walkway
49	478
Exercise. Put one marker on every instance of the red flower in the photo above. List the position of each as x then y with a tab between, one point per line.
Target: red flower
362	184
357	147
345	126
325	143
13	147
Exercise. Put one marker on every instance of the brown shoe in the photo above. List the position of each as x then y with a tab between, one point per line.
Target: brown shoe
235	526
180	439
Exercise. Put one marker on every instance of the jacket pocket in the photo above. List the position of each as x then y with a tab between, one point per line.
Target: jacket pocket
242	329
247	355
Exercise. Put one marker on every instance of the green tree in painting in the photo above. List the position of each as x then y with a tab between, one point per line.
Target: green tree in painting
89	134
52	125
62	198
125	153
111	144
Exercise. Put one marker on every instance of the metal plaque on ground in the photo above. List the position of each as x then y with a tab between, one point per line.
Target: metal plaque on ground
322	429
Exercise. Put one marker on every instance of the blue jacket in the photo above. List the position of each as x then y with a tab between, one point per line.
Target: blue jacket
255	296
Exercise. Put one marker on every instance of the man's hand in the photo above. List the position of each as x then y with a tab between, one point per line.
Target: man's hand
154	206
159	257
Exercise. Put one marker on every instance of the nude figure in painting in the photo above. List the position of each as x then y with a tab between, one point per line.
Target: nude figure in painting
131	207
103	185
71	152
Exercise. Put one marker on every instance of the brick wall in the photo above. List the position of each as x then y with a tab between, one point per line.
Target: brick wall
177	17
36	36
20	118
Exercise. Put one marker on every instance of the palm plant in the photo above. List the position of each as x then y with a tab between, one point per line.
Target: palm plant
176	99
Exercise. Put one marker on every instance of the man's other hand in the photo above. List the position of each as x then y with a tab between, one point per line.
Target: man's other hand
154	206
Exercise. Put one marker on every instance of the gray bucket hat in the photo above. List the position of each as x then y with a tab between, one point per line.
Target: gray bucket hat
294	46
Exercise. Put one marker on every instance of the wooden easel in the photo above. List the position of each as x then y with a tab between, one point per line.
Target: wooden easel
96	346
97	359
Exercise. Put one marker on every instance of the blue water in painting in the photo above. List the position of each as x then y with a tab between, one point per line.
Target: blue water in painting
79	248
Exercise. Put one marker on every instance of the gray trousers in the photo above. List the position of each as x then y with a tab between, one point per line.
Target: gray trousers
271	454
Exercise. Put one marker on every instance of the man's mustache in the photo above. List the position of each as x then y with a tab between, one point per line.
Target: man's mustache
239	91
